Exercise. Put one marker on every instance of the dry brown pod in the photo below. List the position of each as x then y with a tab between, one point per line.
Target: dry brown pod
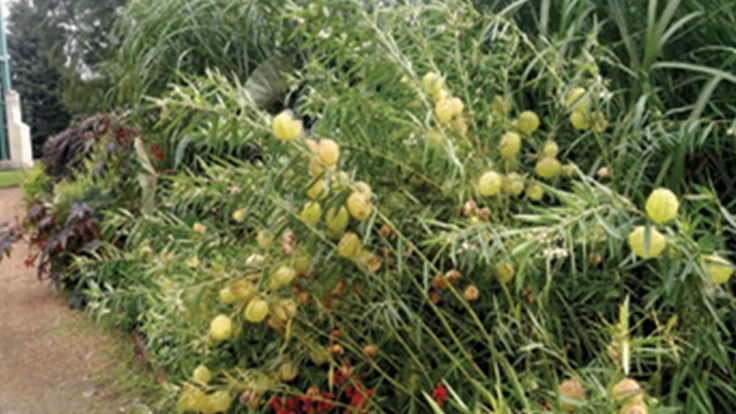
370	351
337	350
471	293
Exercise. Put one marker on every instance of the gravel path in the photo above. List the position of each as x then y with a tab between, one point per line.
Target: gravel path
52	359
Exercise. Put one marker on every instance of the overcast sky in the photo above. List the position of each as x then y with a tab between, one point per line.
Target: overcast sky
5	3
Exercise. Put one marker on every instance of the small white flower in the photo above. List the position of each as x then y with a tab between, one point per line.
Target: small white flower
325	33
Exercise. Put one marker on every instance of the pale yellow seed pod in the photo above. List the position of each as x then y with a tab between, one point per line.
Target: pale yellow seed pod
490	184
337	221
720	269
311	213
433	84
221	328
282	276
548	167
350	246
639	408
329	152
318	190
447	109
256	311
662	205
573	390
513	184
505	272
218	402
239	215
201	375
627	391
288	371
657	242
579	121
550	148
359	206
528	122
535	192
285	127
576	100
510	145
227	296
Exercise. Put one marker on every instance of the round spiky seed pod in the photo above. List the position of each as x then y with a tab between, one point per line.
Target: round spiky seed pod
256	311
580	121
239	215
433	84
639	408
318	190
264	238
282	276
359	205
572	390
528	122
627	391
513	184
316	166
447	109
243	290
720	269
505	272
349	246
337	221
548	167
657	242
227	296
550	148
191	399
490	184
535	192
598	121
576	100
328	152
311	213
510	145
221	328
218	402
201	375
285	127
288	371
662	205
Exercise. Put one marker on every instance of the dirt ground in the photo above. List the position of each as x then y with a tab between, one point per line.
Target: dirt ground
53	359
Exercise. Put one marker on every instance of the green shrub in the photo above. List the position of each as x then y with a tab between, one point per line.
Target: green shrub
475	303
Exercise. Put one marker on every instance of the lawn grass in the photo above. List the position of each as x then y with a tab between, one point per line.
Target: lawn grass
11	178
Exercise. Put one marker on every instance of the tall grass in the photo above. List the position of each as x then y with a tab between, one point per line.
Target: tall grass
163	39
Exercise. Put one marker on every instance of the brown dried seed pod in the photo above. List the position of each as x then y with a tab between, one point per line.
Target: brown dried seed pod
337	350
471	293
453	276
484	213
386	231
436	298
370	351
469	208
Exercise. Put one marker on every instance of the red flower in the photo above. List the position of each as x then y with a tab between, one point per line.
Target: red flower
30	261
440	395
